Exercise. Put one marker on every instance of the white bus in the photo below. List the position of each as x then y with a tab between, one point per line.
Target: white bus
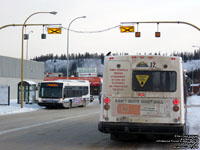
143	95
64	93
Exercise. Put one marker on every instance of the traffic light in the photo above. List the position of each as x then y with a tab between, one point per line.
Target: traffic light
137	34
157	34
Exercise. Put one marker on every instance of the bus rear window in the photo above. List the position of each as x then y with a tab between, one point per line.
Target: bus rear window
154	81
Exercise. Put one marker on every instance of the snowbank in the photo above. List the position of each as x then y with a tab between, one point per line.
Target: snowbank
193	115
16	108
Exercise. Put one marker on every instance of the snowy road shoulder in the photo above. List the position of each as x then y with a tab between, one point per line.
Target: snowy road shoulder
14	108
193	114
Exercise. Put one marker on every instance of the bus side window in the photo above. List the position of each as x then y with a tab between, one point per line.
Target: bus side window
80	90
65	92
85	90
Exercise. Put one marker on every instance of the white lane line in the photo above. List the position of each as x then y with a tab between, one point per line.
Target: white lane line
45	123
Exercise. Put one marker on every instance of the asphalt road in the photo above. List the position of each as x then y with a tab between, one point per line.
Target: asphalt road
64	129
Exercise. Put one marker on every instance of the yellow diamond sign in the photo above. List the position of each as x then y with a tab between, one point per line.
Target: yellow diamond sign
54	30
142	79
127	28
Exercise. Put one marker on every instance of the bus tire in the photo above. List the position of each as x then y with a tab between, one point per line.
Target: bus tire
70	104
114	136
84	103
65	105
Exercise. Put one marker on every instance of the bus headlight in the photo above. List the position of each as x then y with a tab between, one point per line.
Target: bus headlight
61	100
39	100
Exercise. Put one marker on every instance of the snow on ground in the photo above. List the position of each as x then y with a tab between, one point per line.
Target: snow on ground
194	115
14	108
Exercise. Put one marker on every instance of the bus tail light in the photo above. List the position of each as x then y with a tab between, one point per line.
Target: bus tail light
176	108
111	58
173	58
150	57
176	101
141	94
106	100
141	57
133	57
106	106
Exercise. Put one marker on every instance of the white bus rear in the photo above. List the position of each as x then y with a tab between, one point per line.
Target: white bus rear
143	95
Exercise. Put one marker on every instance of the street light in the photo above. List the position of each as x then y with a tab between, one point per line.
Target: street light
22	52
68	43
27	45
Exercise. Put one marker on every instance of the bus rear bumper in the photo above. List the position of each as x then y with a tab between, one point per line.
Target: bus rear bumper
140	128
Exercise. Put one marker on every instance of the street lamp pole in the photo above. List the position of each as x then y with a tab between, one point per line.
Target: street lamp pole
27	45
22	52
68	42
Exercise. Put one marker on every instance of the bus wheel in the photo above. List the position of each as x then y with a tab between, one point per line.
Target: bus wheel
65	105
114	136
70	104
84	103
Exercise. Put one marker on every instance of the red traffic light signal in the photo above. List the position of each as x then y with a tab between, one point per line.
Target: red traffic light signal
137	34
157	34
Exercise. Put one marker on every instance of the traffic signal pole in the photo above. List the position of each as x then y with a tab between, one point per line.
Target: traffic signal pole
162	22
15	25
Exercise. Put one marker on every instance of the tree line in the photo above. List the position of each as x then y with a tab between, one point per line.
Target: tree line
188	55
72	56
185	56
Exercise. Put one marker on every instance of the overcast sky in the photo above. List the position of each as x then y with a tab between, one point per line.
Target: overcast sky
100	14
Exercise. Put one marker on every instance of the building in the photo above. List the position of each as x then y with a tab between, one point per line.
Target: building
87	72
10	72
60	74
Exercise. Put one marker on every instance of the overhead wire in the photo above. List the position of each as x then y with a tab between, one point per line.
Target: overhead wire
98	31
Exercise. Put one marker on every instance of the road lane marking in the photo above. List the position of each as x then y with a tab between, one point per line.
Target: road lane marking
45	123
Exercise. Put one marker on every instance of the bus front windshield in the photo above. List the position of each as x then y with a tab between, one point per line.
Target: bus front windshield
51	92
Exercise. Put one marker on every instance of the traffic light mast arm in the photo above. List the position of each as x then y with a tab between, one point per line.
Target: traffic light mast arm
159	22
14	25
